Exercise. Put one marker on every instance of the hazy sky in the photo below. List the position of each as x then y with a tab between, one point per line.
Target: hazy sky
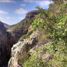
13	11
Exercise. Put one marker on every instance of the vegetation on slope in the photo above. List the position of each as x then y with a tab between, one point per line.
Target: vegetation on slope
55	25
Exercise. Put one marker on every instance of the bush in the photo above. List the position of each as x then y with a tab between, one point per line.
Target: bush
34	61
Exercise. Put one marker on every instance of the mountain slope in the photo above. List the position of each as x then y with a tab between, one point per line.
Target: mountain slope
48	46
39	40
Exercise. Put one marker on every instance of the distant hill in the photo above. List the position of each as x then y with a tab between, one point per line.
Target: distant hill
22	27
3	26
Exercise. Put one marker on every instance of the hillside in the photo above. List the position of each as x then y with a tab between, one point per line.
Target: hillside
45	43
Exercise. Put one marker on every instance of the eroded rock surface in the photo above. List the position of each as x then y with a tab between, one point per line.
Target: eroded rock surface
20	50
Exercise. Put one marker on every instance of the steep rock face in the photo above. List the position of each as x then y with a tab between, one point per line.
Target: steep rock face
20	50
23	49
6	42
3	45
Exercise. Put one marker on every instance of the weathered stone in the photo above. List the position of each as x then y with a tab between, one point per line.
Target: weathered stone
20	49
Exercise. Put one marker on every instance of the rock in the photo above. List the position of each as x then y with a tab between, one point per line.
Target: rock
20	50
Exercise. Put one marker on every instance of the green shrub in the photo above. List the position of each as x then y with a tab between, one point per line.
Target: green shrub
38	22
34	61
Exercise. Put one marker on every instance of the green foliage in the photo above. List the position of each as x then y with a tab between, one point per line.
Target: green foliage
38	22
56	27
34	61
59	53
59	56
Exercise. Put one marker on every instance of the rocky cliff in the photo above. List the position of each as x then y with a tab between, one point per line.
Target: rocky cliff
20	50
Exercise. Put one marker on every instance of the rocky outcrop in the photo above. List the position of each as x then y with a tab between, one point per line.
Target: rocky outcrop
20	50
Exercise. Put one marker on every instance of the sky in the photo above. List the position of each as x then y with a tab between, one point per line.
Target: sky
13	11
